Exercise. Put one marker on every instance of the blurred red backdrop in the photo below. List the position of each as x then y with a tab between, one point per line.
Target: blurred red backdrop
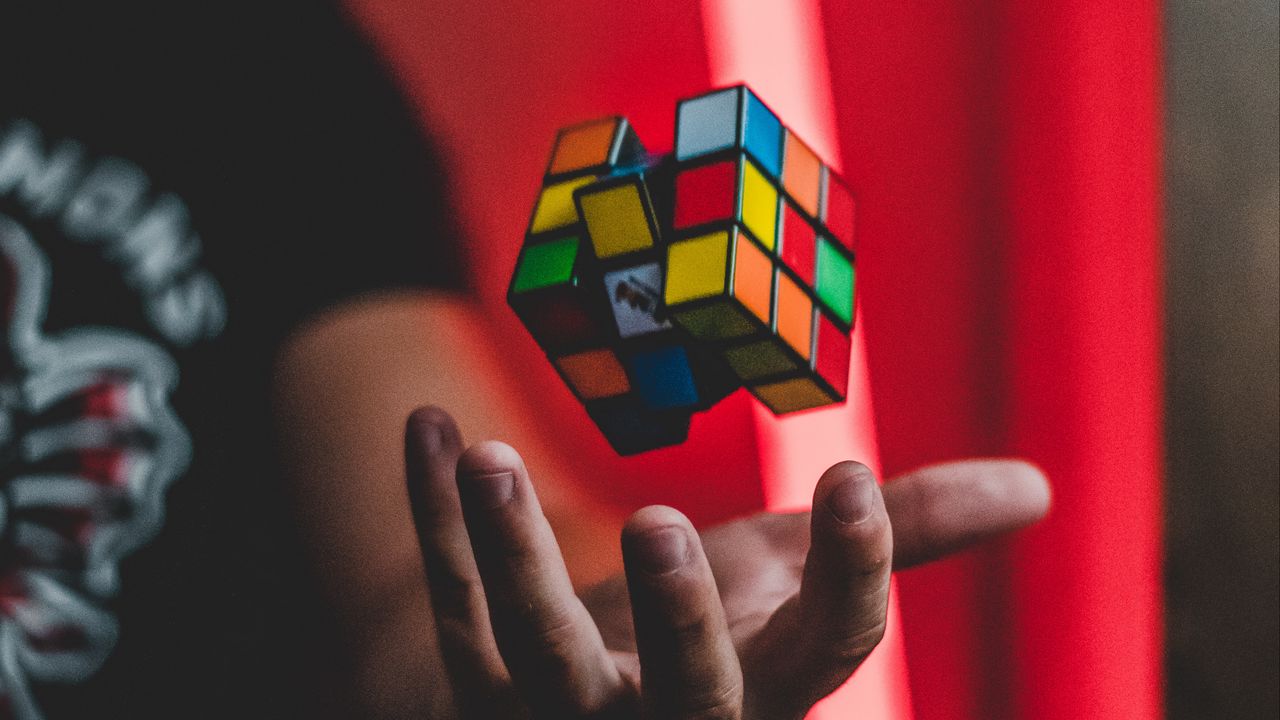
1006	160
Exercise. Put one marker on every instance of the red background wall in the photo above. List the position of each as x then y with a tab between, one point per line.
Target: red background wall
1005	156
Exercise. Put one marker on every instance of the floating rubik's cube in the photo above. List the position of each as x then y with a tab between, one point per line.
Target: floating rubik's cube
658	285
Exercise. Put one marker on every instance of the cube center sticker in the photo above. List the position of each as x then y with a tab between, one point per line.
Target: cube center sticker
636	298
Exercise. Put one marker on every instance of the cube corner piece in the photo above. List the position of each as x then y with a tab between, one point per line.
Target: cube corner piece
594	147
788	381
730	117
631	427
719	285
546	293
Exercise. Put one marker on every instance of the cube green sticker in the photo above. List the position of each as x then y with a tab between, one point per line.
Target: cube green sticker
546	264
835	280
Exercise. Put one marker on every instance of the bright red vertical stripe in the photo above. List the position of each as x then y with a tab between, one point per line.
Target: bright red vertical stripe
778	47
1007	159
913	94
1082	189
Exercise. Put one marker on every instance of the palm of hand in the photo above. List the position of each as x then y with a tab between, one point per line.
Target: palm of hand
757	563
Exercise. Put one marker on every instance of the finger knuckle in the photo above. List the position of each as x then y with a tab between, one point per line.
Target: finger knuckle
455	592
455	632
550	629
850	650
865	550
688	632
513	548
861	563
555	635
875	561
715	701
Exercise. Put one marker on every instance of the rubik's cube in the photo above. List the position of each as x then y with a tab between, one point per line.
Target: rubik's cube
657	285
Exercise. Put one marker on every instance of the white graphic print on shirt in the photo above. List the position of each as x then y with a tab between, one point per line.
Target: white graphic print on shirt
88	440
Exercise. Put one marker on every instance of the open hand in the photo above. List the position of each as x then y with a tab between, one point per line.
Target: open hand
758	619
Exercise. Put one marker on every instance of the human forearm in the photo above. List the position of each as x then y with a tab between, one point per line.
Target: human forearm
344	384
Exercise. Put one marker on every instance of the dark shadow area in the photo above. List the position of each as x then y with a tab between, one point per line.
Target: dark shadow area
1223	423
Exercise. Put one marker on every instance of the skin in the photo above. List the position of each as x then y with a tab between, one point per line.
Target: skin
452	568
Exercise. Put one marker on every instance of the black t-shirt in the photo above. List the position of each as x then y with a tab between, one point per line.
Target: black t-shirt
180	185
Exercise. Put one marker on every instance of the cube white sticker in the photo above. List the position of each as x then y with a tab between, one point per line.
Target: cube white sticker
707	124
635	295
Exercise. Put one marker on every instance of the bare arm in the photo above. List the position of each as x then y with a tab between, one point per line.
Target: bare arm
345	382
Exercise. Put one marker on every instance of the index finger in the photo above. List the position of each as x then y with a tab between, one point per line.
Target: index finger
480	681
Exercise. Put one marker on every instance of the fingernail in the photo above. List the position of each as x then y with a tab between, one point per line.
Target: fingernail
427	426
853	500
432	437
490	490
662	550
